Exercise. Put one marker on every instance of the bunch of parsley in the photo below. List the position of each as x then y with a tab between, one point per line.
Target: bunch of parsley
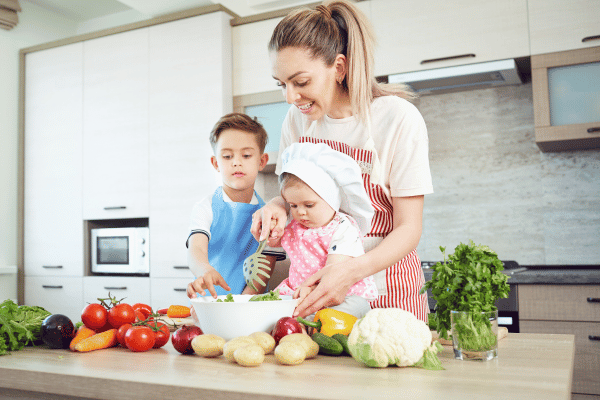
471	279
19	325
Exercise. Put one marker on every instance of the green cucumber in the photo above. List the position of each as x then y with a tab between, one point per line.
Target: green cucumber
343	339
327	345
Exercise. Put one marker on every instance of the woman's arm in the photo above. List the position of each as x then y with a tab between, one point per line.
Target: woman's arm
336	279
274	213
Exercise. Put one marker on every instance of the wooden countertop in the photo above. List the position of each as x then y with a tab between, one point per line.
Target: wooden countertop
528	366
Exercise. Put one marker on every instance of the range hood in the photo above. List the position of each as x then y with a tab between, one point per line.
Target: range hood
472	76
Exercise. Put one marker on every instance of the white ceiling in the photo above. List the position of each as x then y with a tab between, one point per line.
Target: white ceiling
84	10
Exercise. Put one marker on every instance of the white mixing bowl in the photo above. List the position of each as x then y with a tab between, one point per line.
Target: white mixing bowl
240	317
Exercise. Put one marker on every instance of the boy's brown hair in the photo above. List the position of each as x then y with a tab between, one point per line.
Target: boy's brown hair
241	122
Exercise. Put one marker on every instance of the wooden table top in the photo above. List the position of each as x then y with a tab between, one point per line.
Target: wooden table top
528	366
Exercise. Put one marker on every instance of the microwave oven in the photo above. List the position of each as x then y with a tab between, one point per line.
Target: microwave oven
120	251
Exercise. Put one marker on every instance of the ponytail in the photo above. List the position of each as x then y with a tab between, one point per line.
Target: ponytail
339	27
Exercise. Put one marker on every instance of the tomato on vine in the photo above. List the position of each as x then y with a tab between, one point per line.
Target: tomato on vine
139	338
94	316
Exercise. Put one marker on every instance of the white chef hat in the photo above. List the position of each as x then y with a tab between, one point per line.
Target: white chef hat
334	176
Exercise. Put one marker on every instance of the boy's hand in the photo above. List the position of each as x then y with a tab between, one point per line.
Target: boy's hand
208	281
269	221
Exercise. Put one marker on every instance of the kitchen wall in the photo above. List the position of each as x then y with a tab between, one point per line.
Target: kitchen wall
36	26
493	185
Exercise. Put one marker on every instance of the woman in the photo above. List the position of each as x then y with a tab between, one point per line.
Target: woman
323	61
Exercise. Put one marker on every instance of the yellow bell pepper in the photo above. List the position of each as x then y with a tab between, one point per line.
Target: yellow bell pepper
329	322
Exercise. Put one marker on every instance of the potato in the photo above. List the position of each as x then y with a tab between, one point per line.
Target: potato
208	345
264	340
249	355
311	347
234	344
290	353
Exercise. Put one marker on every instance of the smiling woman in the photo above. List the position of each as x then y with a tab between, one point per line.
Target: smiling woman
323	61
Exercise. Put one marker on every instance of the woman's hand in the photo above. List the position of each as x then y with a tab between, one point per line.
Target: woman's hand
332	284
208	281
269	222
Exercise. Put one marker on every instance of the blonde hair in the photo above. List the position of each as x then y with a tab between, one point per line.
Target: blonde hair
241	122
339	27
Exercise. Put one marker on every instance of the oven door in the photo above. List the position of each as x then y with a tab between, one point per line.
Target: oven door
113	251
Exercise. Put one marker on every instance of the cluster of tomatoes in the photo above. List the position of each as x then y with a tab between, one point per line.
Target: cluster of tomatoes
137	328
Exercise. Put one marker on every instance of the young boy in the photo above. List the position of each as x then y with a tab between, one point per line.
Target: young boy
220	238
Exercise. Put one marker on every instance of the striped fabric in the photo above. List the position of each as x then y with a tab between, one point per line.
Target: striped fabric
404	279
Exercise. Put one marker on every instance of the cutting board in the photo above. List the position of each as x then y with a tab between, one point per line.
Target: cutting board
502	333
177	321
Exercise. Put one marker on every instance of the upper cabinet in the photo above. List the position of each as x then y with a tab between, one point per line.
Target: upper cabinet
53	226
559	25
190	89
423	35
115	130
251	64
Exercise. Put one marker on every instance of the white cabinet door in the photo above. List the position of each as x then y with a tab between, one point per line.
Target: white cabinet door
58	295
421	35
53	226
168	291
559	25
131	289
190	89
252	71
115	130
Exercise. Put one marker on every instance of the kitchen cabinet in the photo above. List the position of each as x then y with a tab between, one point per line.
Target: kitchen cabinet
53	224
251	63
115	132
189	90
132	289
566	99
415	36
57	294
168	291
560	25
572	309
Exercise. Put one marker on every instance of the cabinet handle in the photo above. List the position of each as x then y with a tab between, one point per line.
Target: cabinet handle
432	60
589	38
52	286
115	208
52	266
593	300
115	287
179	289
594	129
181	267
594	337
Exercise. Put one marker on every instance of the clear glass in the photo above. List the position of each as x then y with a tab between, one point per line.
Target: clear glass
271	116
474	335
574	94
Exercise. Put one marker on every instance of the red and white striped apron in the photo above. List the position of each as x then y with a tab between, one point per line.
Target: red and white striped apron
399	284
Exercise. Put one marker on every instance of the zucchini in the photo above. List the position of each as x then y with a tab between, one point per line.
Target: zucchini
343	339
327	345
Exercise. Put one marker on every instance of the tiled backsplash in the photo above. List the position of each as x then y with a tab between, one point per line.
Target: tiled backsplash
493	185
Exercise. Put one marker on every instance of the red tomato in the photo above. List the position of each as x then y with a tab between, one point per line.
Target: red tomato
121	334
143	308
139	338
139	316
121	314
161	335
94	316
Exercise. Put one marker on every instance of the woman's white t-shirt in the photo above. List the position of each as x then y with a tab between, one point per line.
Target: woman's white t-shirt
399	135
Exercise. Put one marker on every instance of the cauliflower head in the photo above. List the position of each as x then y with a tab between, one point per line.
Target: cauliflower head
391	336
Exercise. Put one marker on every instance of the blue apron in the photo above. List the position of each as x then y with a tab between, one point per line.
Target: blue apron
230	240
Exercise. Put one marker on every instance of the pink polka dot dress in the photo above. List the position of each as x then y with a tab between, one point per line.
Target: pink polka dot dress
308	250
